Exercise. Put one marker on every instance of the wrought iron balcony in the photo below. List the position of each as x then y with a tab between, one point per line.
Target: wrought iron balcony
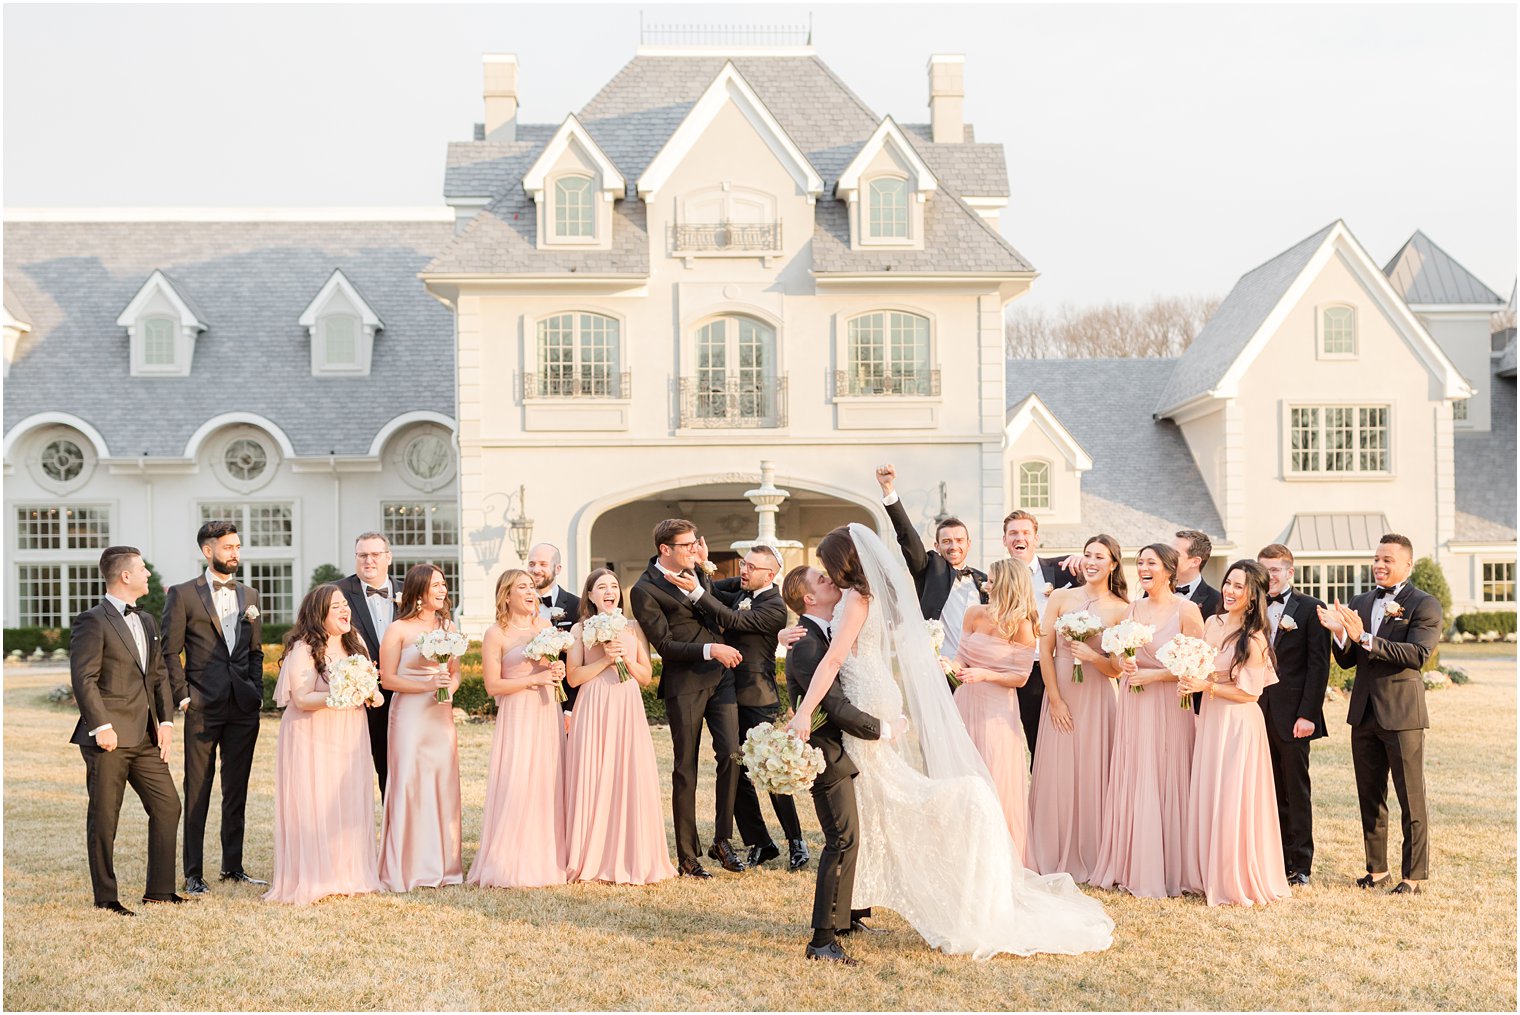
732	403
725	237
866	383
583	383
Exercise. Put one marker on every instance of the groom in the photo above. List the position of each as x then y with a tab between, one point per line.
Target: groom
812	597
694	663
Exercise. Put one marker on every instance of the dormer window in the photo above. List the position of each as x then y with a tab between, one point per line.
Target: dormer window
573	185
1337	332
574	208
161	326
1034	486
158	342
342	326
887	209
887	186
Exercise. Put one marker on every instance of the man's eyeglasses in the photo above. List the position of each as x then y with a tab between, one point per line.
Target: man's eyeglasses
745	565
372	556
683	546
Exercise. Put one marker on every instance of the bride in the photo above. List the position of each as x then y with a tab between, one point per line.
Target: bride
933	842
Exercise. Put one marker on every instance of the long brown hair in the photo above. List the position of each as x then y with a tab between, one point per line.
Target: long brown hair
587	609
836	552
1255	620
415	586
504	593
311	628
1116	580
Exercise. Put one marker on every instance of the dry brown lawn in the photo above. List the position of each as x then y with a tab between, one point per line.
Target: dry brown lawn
736	942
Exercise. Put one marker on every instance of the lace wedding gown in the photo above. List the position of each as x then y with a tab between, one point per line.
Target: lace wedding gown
937	850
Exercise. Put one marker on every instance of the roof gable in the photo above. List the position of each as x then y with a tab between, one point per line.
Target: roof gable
1033	411
159	283
572	132
888	135
338	282
1423	274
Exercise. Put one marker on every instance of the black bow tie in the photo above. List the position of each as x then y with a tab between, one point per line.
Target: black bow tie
1281	597
228	584
1184	590
370	590
129	610
546	600
1381	592
964	572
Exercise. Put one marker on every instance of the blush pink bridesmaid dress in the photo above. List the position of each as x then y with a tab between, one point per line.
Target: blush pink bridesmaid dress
1145	811
324	802
1070	780
991	714
1232	854
522	833
615	816
420	835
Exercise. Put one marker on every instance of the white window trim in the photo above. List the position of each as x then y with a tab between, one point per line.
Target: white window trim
775	376
1319	332
263	554
62	554
218	452
600	200
842	352
1285	443
38	441
536	368
138	312
1483	602
863	214
316	312
1050	491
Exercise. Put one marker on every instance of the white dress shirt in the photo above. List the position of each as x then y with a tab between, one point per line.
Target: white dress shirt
226	603
963	595
551	595
380	607
139	639
826	626
1037	578
1275	611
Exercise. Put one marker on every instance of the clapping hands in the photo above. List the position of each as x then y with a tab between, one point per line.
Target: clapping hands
1341	621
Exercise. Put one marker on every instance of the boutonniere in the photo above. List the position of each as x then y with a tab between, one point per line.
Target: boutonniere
745	603
1287	623
709	567
396	599
1049	588
1393	611
556	613
251	614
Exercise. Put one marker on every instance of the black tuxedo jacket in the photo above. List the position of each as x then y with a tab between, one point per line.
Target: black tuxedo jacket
753	632
1302	658
1206	597
353	591
932	574
217	679
677	630
1388	679
801	661
1056	576
570	604
110	685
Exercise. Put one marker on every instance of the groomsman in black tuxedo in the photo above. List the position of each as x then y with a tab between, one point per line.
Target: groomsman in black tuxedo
214	620
696	683
556	605
1294	707
373	596
812	597
1021	538
1388	633
749	611
125	728
1193	551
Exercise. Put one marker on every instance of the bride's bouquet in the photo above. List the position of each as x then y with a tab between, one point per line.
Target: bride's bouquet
936	631
1078	625
603	628
440	646
1189	658
351	682
1128	636
546	646
780	763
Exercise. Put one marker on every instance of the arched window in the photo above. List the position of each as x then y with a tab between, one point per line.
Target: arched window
736	374
578	354
158	342
887	209
574	208
888	354
1338	331
1034	485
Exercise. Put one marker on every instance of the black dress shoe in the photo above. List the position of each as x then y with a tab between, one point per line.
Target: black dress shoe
692	869
1298	878
115	907
830	952
239	875
172	899
196	886
723	852
799	856
1366	881
760	854
1407	888
859	926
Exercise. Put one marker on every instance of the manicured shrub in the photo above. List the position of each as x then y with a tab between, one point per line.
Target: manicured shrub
1501	622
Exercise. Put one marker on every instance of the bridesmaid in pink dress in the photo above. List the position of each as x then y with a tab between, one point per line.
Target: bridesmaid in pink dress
997	650
1145	813
324	806
522	833
420	835
615	816
1233	850
1071	757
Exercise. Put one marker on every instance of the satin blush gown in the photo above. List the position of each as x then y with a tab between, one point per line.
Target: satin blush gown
991	714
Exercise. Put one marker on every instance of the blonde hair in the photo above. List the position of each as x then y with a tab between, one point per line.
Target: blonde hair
504	592
1010	598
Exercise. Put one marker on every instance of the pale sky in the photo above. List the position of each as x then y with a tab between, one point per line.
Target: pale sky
1152	149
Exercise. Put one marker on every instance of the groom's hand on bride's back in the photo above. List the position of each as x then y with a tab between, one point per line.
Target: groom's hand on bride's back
789	636
727	655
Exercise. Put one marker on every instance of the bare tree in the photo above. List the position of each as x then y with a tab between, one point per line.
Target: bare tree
1163	327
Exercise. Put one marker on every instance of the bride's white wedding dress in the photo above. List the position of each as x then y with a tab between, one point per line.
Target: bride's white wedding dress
933	843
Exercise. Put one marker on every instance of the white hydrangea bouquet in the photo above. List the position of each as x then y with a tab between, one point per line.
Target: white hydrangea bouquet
547	646
1189	658
440	646
936	630
603	628
780	763
352	682
1128	636
1078	625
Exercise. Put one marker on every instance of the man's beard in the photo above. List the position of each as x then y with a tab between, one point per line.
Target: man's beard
224	567
545	586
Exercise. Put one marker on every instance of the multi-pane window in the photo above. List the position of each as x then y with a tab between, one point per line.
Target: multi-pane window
1498	581
276	583
260	526
340	337
888	354
1034	485
1338	439
431	524
1459	410
63	528
268	535
39	598
62	460
448	564
574	210
1338	331
736	370
1334	581
51	593
245	459
158	342
887	209
578	354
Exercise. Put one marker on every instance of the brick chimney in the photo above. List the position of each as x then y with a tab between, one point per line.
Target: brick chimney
501	96
947	94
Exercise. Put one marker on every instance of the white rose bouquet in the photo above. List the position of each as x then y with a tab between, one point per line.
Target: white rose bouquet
440	646
547	646
603	628
1078	625
1189	658
780	763
1128	636
352	682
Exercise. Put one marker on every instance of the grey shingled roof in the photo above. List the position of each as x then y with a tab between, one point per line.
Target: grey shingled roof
634	115
1485	468
1143	485
1422	272
1227	333
249	282
971	170
1506	366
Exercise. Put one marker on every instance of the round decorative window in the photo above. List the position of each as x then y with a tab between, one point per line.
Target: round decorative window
62	461
245	459
427	456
